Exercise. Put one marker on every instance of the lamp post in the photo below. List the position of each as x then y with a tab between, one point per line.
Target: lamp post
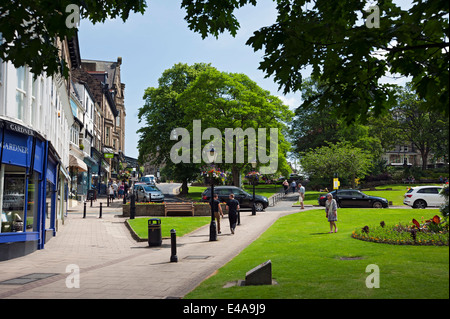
254	182
212	227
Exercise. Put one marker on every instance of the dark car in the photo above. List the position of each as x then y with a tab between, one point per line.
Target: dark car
244	198
355	198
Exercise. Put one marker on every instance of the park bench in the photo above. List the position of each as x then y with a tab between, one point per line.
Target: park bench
179	207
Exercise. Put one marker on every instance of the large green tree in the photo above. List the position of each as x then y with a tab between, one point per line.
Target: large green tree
342	43
427	130
233	101
342	158
161	113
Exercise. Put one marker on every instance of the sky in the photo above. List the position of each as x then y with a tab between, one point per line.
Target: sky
161	38
155	41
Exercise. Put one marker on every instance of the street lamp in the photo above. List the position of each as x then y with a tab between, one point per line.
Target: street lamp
212	228
254	182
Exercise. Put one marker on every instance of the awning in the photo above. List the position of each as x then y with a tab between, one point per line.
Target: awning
76	162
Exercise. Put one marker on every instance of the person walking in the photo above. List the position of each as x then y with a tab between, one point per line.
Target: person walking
233	208
111	193
293	186
301	193
115	188
217	209
286	186
331	211
121	189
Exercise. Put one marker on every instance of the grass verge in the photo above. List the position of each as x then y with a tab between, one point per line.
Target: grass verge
308	262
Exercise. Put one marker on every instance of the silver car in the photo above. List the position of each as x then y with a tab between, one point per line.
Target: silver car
148	193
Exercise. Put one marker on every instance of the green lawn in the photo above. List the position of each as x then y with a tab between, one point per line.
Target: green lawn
182	225
306	261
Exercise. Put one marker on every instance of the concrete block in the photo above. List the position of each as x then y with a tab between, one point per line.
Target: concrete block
260	275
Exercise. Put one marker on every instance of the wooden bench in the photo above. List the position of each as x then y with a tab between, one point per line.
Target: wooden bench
178	207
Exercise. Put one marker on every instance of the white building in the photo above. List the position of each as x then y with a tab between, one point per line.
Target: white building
35	121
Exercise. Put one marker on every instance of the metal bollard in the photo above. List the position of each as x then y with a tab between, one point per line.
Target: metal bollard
100	211
107	201
132	206
84	210
173	241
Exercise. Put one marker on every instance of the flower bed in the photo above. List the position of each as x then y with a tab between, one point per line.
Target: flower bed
430	232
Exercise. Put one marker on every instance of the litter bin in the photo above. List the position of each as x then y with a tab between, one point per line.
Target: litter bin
154	232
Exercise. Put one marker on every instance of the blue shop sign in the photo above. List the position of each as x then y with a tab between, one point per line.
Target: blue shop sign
16	148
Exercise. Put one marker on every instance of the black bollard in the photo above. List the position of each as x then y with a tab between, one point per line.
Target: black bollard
239	217
173	241
132	206
100	211
84	210
107	201
91	201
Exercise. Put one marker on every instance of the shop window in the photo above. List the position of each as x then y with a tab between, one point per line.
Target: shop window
13	181
49	202
32	203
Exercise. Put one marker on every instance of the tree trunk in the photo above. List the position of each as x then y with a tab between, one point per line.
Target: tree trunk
184	187
424	160
236	172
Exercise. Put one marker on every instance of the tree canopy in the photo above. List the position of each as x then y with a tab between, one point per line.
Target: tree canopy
30	28
348	56
223	101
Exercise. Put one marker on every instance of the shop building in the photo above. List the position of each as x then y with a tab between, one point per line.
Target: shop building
35	121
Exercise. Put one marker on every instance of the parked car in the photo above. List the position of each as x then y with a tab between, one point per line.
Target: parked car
355	198
148	193
244	198
424	196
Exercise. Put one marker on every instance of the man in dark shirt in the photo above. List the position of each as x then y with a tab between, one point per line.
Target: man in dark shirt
217	209
232	207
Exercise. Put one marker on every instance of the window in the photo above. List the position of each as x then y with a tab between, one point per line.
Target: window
21	92
107	136
429	191
34	109
13	199
75	134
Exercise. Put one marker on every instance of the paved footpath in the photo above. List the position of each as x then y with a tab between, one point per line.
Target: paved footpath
113	265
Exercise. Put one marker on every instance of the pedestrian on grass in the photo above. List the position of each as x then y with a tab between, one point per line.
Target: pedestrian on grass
301	193
331	211
217	209
233	208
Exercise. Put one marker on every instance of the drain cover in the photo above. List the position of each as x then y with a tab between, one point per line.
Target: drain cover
196	257
27	279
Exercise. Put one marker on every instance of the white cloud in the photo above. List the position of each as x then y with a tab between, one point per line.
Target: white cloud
292	101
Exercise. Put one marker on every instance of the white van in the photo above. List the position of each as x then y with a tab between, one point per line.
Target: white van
149	179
